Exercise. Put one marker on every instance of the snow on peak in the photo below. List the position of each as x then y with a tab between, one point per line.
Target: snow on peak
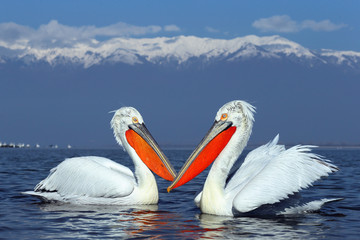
161	49
342	56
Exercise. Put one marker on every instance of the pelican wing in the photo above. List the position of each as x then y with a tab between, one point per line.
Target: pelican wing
90	177
270	173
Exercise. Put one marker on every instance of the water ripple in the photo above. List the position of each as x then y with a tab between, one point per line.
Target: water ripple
176	216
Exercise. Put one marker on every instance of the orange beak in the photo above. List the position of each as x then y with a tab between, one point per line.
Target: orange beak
149	151
205	153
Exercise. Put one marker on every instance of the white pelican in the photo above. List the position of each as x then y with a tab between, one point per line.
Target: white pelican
268	174
98	180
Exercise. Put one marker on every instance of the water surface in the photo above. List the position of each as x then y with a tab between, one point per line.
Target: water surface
176	216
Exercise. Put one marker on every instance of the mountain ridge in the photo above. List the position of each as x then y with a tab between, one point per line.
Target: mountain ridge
175	50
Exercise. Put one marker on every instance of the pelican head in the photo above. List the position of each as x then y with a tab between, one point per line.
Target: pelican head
235	116
130	132
237	113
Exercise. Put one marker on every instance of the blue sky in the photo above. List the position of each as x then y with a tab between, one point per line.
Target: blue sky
313	24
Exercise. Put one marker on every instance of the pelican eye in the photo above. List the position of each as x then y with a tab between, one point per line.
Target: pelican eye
224	116
135	120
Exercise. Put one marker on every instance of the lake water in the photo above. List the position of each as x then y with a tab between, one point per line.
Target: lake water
176	216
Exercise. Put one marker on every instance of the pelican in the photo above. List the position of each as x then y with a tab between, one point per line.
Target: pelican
98	180
268	175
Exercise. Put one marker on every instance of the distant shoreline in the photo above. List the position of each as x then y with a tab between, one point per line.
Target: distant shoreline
171	147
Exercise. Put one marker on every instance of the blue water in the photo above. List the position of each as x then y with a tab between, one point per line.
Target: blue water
176	216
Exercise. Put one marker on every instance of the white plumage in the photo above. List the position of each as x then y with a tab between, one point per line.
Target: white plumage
98	180
91	176
269	174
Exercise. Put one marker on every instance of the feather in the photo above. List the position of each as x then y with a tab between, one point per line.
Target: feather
270	173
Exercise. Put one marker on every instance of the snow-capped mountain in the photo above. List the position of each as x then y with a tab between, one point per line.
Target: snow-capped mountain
179	49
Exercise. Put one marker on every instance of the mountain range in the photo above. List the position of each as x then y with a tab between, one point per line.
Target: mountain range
180	50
